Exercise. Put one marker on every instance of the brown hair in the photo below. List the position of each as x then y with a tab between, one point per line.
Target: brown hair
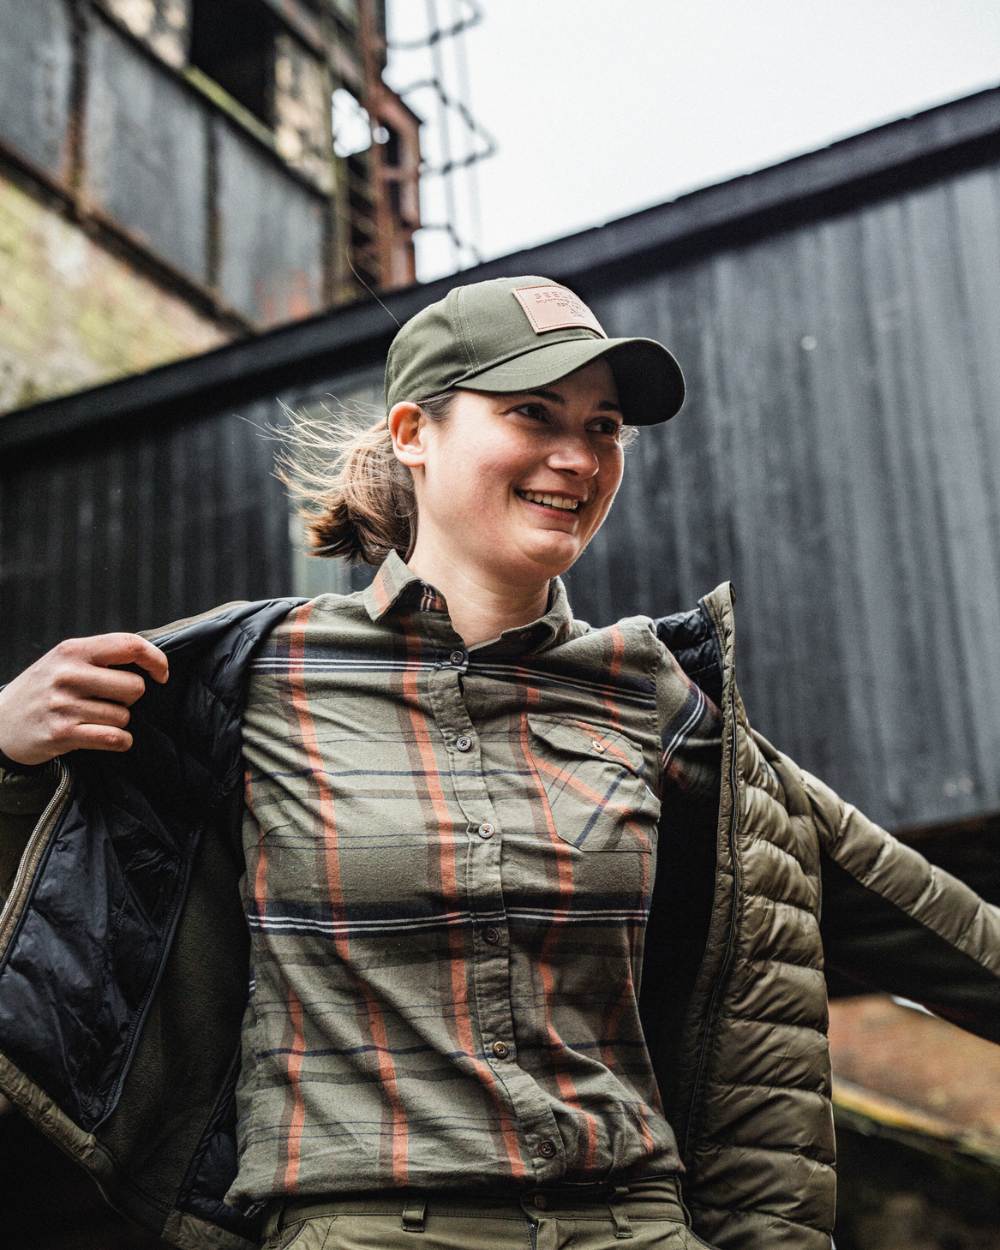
356	499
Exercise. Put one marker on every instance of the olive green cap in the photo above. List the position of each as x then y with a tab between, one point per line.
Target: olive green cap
515	334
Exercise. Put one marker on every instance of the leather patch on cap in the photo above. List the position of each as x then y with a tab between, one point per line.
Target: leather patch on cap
555	308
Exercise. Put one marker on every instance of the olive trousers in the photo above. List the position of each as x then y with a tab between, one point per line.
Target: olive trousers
640	1215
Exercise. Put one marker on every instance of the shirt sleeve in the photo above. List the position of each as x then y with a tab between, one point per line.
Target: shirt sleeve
690	732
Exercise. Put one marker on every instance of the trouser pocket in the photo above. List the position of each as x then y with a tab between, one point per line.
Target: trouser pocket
307	1234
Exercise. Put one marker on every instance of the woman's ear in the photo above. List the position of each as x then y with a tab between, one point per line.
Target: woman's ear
408	428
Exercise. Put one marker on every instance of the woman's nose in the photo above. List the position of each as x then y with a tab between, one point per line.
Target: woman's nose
575	452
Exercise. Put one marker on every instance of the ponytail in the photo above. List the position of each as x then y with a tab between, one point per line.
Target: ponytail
356	499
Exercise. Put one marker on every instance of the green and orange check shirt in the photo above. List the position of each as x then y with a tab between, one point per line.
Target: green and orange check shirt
450	857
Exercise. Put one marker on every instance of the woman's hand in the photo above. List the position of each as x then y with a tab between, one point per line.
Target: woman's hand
73	698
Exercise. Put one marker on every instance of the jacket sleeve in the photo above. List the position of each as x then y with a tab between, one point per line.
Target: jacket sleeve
23	798
897	923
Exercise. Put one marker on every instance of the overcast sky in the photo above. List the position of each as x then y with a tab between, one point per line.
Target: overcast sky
599	109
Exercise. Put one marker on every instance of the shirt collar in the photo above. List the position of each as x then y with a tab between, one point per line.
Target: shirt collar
396	586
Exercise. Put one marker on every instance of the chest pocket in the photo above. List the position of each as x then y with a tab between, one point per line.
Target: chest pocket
595	785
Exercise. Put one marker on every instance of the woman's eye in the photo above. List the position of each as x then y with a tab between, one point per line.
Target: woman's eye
608	427
538	412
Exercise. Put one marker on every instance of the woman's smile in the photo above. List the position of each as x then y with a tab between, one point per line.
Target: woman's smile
551	503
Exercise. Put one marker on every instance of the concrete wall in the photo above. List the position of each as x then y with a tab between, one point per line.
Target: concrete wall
73	314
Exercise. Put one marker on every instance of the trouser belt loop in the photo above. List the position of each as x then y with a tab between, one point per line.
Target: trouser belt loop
622	1226
414	1215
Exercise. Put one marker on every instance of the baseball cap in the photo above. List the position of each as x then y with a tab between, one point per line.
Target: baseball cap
516	334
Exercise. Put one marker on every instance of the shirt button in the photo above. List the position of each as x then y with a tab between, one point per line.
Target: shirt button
457	657
486	830
501	1050
598	746
464	742
547	1149
492	936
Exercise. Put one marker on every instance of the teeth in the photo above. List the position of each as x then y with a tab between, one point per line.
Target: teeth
553	501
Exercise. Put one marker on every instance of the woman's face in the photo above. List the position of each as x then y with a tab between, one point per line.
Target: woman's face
472	472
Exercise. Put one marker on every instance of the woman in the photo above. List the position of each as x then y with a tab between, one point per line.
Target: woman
532	920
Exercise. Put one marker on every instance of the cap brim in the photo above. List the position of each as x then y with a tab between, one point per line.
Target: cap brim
649	380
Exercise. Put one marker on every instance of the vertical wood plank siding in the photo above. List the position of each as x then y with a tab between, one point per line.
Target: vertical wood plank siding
838	458
139	528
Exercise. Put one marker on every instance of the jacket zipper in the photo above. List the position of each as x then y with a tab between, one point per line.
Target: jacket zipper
38	844
713	1004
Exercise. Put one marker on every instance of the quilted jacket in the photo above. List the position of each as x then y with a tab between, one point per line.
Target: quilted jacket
124	951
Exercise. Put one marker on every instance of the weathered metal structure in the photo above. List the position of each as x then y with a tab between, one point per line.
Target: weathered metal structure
838	457
236	93
178	163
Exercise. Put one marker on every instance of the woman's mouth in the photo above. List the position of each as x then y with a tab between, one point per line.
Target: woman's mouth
550	504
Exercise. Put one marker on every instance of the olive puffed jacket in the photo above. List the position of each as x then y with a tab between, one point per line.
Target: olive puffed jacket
124	952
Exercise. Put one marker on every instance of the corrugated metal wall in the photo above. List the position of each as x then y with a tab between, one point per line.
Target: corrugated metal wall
36	72
838	459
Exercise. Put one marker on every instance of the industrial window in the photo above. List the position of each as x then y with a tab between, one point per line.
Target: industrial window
232	41
352	127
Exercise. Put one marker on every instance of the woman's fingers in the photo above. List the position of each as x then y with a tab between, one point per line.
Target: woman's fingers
99	738
105	650
77	696
112	684
98	712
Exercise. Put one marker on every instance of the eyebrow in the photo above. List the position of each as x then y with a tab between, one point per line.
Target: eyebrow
605	405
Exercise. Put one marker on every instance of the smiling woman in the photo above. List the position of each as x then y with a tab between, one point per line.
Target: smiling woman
487	478
533	913
538	477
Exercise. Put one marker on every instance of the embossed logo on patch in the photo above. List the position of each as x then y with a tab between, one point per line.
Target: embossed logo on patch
555	308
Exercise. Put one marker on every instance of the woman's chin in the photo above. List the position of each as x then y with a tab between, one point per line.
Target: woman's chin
551	558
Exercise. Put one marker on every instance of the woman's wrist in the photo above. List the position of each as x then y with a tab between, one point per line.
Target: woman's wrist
8	765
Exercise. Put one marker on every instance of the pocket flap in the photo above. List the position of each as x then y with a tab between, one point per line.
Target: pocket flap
575	736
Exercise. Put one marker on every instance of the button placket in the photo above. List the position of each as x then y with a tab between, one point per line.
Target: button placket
490	1004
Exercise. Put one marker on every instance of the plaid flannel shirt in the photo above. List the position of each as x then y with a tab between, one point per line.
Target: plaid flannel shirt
450	857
